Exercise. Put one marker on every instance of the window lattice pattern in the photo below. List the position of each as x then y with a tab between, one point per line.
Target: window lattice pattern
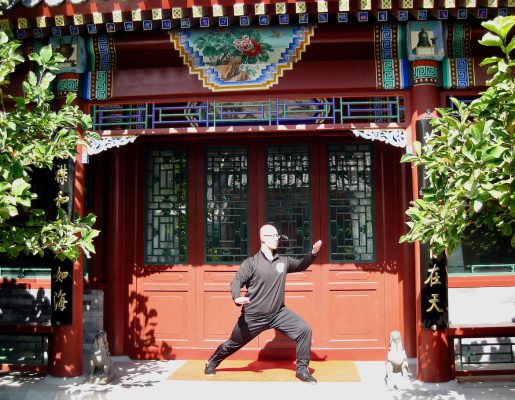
227	213
351	203
166	209
289	197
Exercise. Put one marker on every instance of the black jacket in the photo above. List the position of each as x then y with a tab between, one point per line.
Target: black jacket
265	281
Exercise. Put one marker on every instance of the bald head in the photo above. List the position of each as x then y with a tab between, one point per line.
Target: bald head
267	230
269	238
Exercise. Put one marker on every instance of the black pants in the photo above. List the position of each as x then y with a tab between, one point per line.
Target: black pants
285	321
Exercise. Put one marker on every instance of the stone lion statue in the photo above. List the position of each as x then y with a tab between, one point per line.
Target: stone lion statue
396	360
101	365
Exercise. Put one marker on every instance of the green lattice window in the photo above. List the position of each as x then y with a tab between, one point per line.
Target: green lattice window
288	205
351	203
227	212
166	206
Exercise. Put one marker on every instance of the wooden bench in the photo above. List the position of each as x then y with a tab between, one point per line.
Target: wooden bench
479	331
28	329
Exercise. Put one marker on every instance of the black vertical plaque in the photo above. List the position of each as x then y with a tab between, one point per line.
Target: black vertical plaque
433	290
64	187
433	271
62	271
62	286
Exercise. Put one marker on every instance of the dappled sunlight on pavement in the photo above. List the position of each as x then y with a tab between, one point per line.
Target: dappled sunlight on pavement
147	380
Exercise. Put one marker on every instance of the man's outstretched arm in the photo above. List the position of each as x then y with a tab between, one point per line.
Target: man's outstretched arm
303	264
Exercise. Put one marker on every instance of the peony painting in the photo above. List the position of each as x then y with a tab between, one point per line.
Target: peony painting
241	57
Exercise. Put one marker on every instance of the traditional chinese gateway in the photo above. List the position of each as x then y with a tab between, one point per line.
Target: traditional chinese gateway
217	118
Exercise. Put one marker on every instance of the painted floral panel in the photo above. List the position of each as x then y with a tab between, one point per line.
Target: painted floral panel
242	57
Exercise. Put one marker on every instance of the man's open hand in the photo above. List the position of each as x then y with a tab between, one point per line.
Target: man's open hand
242	300
316	247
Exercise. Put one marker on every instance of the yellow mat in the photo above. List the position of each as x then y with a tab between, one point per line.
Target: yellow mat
267	371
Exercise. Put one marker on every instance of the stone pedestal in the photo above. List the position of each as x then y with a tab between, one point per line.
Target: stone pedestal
100	379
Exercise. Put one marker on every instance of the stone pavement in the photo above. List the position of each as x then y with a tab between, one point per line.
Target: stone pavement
146	380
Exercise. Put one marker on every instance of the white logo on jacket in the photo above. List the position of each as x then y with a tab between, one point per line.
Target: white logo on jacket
280	267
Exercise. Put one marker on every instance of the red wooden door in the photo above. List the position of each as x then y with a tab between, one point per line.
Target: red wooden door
164	303
353	294
187	309
216	313
302	292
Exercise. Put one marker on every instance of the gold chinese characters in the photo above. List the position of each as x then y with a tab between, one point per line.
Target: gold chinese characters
59	300
434	278
60	199
433	303
59	276
61	176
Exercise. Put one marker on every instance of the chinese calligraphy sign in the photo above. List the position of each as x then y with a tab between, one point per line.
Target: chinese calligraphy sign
62	271
434	297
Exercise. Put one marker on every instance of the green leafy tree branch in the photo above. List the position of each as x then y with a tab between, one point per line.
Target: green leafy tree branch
32	135
469	159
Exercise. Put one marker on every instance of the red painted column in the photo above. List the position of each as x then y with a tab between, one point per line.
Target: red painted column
406	257
114	295
67	341
432	346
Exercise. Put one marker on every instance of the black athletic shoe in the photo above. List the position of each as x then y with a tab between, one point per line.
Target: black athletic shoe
210	370
306	377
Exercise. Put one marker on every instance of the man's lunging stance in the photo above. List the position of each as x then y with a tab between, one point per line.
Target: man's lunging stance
264	276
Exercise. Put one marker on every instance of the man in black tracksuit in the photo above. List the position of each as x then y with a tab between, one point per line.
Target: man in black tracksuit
264	276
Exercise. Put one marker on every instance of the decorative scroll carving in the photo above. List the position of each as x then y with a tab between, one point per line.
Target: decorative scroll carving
97	146
395	137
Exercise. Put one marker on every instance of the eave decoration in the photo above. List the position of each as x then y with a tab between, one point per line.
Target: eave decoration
108	142
242	58
395	137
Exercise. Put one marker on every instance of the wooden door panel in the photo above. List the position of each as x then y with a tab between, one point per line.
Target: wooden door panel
165	306
216	313
336	277
220	317
166	278
166	317
353	294
354	316
300	302
219	277
300	277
